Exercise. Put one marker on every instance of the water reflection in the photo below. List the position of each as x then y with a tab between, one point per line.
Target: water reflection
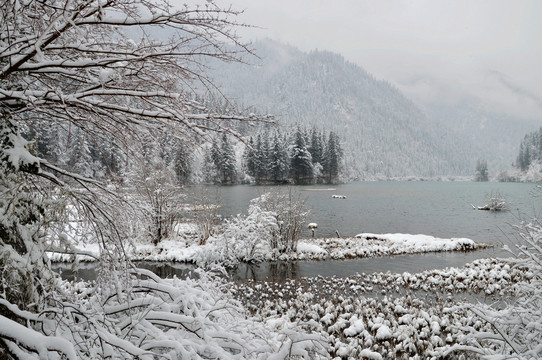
168	270
270	271
278	271
74	272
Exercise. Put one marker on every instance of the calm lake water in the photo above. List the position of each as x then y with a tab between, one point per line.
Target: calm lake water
441	209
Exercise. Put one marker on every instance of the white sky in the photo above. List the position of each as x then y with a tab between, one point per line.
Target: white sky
433	50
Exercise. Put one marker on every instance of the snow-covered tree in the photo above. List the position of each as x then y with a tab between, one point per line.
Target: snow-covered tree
261	163
301	170
332	158
278	159
249	158
530	150
211	164
316	146
157	196
69	65
182	163
290	213
481	173
228	162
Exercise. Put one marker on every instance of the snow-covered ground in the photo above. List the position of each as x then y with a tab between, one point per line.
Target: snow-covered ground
369	245
186	249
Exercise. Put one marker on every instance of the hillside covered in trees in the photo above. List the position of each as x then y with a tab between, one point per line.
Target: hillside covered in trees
528	164
384	134
530	150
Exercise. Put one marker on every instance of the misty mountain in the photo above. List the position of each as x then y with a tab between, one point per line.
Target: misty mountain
384	134
497	135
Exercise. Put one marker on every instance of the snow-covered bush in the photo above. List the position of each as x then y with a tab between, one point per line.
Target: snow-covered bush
25	277
147	317
242	238
205	215
514	330
250	237
495	201
272	227
290	214
533	173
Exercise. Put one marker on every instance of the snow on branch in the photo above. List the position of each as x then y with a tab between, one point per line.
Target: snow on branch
25	338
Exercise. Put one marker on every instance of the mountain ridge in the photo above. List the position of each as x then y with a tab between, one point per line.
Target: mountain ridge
384	133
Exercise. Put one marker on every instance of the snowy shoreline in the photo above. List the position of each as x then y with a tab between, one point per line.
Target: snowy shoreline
361	246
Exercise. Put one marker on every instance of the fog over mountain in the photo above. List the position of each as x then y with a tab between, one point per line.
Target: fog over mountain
384	133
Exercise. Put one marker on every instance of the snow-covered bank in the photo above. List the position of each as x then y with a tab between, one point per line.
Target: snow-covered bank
363	245
369	245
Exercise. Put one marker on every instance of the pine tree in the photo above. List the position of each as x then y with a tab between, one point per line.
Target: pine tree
182	163
278	159
211	164
332	158
481	171
315	147
261	160
301	170
249	156
228	163
79	157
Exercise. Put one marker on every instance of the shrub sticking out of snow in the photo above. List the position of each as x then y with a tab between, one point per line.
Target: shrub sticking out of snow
368	354
383	333
422	326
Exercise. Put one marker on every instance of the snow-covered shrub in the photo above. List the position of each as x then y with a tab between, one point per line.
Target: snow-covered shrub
243	238
290	214
24	275
514	330
28	214
147	318
533	173
250	237
272	227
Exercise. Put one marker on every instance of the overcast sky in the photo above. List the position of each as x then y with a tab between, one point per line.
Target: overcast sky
433	50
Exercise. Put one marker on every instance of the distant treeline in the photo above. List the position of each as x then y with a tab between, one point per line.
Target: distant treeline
276	157
530	150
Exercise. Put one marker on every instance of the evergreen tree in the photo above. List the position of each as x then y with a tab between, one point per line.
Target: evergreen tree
481	171
261	160
211	164
315	148
278	159
249	157
332	158
210	172
227	162
301	170
182	163
79	158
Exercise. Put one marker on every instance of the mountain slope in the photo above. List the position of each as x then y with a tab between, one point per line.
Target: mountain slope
384	134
